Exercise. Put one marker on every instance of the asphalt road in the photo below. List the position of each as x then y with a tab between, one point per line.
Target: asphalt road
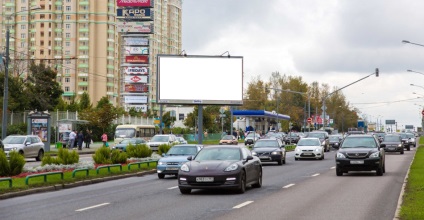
307	189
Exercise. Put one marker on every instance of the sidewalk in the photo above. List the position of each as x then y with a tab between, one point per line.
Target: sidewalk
91	150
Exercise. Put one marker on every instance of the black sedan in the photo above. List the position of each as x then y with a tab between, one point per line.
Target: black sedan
222	167
360	153
270	150
393	143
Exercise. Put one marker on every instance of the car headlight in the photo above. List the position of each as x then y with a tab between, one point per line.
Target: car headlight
317	149
336	143
298	150
254	153
400	145
14	148
276	153
232	167
185	168
375	154
340	155
161	163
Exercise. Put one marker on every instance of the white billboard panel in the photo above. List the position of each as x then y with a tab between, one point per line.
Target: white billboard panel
136	79
135	99
200	80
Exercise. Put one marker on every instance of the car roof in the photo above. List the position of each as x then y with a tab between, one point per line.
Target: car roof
310	138
179	145
267	139
360	135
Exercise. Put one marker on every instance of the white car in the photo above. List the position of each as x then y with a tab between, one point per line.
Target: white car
160	139
309	148
182	140
26	145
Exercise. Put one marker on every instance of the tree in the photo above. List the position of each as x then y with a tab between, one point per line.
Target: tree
85	102
102	116
18	94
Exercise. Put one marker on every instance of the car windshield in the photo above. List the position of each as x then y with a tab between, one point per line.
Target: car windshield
293	135
308	142
160	139
334	138
359	142
125	132
262	144
14	140
227	137
410	135
182	150
391	139
250	135
180	139
317	135
218	154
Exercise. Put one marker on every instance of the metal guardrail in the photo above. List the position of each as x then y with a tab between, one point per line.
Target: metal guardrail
43	174
7	179
141	162
108	167
77	170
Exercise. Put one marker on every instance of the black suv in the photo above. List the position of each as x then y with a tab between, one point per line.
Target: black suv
360	153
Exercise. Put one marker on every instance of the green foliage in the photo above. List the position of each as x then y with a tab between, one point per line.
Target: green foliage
139	151
163	149
102	156
68	157
47	159
118	157
4	164
17	128
16	163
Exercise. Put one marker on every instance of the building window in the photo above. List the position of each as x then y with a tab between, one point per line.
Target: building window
67	71
67	79
68	8
67	26
68	0
68	17
23	36
68	35
59	8
67	52
23	27
23	18
66	88
67	43
22	44
23	1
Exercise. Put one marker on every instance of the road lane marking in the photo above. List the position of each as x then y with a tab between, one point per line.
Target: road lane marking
332	167
92	207
242	204
288	186
174	187
316	174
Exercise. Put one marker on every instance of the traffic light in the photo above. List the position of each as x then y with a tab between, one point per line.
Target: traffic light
376	72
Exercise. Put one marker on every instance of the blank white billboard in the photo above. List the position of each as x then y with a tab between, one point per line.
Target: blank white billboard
216	80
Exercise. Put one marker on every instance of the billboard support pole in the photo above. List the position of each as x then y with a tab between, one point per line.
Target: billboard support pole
160	116
200	123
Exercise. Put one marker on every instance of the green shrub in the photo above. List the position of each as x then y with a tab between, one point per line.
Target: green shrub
66	157
163	148
50	160
16	162
102	156
118	157
4	164
139	151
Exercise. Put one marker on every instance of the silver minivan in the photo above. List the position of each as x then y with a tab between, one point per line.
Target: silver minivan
27	145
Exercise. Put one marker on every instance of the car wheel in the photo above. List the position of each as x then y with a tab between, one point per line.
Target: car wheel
185	191
284	161
384	168
161	175
379	171
339	172
242	186
409	147
258	184
401	152
280	162
40	155
296	158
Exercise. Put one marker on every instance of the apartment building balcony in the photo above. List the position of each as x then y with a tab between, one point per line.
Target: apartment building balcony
110	40
111	31
110	84
109	93
58	57
58	3
83	65
83	56
83	30
82	83
110	66
82	74
68	94
9	4
58	48
110	76
84	3
57	30
83	39
83	47
58	39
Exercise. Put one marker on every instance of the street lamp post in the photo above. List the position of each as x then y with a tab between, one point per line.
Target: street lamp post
412	71
408	42
6	75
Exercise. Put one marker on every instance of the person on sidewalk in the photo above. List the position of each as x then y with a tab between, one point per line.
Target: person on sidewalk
87	139
104	139
72	137
80	139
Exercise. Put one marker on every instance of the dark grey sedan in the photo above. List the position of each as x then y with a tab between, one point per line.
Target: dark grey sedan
393	143
270	150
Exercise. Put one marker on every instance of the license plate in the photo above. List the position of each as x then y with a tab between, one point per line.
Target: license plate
307	153
263	157
356	162
391	148
172	168
204	179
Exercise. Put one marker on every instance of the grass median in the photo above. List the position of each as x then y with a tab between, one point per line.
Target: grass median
413	198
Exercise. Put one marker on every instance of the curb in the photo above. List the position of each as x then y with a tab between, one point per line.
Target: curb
73	185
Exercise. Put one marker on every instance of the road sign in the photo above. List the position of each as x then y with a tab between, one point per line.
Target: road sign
323	107
221	110
222	115
309	120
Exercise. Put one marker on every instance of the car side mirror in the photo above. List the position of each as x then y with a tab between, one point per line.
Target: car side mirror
27	143
190	158
383	145
249	158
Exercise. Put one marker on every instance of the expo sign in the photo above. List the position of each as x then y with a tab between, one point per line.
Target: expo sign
135	99
134	27
136	41
136	79
135	13
131	3
136	70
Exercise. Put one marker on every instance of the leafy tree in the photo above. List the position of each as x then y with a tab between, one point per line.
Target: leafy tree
85	102
167	119
18	94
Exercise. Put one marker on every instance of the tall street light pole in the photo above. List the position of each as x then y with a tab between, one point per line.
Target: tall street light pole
408	42
6	75
412	71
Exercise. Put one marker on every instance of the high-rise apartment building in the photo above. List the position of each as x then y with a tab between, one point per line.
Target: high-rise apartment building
79	39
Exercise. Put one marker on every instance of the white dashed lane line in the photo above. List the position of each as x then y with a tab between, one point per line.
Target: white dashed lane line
92	207
174	187
316	174
332	168
242	204
288	186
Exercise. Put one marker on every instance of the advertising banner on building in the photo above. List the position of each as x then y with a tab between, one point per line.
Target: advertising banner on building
136	88
134	27
136	50
137	59
139	108
135	13
135	3
136	41
136	70
135	99
136	79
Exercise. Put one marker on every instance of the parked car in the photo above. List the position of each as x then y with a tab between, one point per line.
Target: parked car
228	139
335	140
270	150
177	155
309	148
323	138
220	167
181	140
160	139
393	143
122	146
27	145
251	138
360	153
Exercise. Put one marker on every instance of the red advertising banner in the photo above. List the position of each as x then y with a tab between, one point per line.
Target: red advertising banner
137	59
136	88
138	3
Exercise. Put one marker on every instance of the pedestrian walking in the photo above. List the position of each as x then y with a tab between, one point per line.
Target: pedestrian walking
104	139
80	139
87	139
72	137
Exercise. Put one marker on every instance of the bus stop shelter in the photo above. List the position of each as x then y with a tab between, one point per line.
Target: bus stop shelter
260	120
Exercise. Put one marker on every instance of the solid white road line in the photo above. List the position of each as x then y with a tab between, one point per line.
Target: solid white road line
92	207
332	167
316	174
288	186
242	204
174	187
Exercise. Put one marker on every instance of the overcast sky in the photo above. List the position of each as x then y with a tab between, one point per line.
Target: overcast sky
330	41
